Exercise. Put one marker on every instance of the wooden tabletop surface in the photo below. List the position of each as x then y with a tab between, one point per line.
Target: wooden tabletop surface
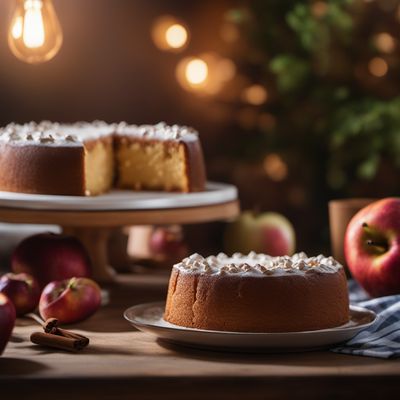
123	363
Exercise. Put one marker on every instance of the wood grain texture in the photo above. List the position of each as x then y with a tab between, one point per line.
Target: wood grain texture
107	218
122	363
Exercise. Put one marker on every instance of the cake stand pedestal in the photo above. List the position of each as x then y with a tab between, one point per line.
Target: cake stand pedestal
92	220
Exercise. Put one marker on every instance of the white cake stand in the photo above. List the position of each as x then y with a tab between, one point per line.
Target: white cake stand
91	219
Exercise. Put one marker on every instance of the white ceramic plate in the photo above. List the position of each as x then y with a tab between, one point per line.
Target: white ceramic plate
215	193
149	318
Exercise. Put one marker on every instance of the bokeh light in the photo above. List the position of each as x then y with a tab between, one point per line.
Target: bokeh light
205	74
385	42
176	36
275	168
196	71
378	67
170	34
255	95
319	9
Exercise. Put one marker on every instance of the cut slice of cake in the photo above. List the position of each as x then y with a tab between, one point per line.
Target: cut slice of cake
159	157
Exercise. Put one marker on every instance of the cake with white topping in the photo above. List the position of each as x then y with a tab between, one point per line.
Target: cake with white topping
257	293
91	158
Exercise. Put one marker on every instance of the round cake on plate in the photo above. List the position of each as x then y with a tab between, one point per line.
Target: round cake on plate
257	293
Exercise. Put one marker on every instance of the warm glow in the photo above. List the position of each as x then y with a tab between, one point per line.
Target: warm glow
205	74
226	69
169	34
255	95
275	167
385	42
35	34
378	67
229	33
16	30
33	31
176	36
319	9
196	71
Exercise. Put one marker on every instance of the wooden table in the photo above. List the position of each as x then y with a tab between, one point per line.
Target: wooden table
122	363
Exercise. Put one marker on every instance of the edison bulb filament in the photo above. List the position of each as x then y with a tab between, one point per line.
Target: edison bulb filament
35	34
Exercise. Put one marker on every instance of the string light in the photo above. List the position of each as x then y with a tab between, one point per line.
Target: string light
378	67
176	36
192	73
169	34
205	74
255	95
196	71
275	168
34	35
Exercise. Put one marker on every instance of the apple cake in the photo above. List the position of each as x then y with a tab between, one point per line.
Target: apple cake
91	158
257	293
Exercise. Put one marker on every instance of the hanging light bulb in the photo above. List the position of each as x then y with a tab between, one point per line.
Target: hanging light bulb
35	34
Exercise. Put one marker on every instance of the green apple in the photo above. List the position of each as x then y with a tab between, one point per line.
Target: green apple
270	233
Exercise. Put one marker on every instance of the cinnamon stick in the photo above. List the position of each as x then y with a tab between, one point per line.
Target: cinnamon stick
51	326
59	342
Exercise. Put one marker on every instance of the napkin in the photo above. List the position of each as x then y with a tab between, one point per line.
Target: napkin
382	338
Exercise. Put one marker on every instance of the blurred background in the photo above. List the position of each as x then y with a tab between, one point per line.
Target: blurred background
296	102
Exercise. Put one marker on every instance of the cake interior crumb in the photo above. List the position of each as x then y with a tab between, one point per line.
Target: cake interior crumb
99	168
153	165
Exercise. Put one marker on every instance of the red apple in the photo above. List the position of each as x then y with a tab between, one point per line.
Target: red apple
51	257
7	320
269	233
70	300
22	289
372	247
167	244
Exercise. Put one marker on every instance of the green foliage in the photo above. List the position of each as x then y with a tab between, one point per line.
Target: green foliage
352	122
370	129
291	72
315	33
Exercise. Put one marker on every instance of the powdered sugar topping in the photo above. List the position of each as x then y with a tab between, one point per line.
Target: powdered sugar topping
160	131
53	133
258	264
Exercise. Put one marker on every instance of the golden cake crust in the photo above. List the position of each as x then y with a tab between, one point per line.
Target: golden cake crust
57	170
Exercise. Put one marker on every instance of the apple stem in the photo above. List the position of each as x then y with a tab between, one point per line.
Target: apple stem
366	227
379	244
71	283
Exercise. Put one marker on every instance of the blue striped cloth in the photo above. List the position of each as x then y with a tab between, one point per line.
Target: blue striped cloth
382	339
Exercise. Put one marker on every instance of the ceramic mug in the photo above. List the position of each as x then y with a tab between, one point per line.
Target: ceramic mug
340	213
